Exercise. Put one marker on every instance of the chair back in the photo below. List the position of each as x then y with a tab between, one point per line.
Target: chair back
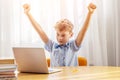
82	61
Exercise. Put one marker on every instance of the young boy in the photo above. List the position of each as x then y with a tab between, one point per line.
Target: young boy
63	52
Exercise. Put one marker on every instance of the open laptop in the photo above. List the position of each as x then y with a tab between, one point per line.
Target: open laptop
32	60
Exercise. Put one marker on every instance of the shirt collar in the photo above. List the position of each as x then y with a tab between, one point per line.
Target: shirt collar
65	45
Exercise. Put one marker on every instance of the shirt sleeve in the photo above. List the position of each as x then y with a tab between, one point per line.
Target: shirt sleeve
48	46
73	46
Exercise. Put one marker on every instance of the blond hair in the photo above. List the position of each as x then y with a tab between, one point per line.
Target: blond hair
64	24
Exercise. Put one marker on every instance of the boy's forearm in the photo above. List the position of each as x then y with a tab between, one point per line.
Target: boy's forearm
38	28
81	34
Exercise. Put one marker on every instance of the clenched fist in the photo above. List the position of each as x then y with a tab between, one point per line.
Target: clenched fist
26	8
91	7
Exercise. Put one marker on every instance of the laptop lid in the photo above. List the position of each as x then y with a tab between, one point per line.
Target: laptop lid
30	59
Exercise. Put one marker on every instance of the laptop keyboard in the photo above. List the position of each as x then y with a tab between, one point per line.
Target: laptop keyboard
50	70
53	70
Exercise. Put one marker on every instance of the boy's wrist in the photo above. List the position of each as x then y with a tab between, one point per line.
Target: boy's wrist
27	13
90	13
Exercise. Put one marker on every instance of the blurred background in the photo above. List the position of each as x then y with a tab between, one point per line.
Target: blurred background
101	45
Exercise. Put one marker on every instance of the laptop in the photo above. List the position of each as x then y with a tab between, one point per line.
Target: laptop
32	60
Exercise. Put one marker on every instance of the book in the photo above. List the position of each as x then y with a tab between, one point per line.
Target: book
8	78
7	72
7	66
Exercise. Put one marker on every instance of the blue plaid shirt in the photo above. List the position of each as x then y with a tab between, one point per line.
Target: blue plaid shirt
64	55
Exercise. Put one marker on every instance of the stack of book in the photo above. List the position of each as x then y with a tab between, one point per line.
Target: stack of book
8	72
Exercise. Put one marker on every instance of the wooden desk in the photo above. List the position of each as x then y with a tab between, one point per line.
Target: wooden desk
78	73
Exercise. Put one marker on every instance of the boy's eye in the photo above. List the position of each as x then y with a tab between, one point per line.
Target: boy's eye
57	34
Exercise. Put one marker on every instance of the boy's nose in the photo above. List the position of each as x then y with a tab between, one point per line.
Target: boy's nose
60	38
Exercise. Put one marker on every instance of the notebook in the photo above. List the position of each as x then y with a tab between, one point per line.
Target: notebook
32	60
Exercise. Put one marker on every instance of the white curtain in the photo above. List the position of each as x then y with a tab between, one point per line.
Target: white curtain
101	45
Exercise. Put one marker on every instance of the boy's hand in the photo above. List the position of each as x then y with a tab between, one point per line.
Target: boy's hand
26	8
91	7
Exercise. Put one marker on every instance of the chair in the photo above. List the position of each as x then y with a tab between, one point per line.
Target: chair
82	61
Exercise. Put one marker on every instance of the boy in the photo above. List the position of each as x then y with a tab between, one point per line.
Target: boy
63	52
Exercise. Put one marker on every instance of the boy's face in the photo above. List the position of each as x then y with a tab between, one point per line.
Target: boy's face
63	36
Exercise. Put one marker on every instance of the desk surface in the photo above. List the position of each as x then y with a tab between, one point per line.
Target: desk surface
77	73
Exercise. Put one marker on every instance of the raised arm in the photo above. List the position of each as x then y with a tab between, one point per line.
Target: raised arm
37	27
81	34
